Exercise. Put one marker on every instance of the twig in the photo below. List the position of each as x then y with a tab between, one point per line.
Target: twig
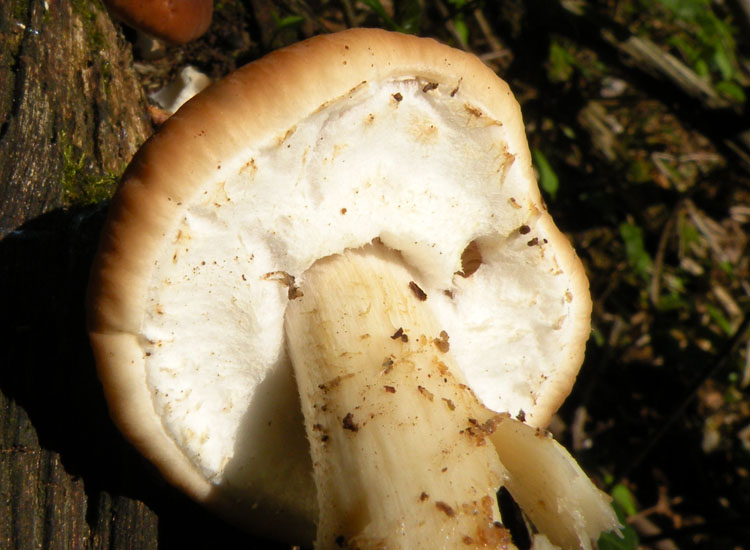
349	17
493	55
650	58
602	127
711	231
655	290
647	528
737	525
445	14
745	380
489	34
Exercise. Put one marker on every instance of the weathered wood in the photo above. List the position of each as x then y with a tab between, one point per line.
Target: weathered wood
71	115
71	110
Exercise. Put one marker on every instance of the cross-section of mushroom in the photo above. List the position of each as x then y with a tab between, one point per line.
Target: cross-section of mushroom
326	290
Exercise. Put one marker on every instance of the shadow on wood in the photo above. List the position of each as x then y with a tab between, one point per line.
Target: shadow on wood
72	481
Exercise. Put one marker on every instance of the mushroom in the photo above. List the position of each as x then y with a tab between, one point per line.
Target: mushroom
177	22
328	292
188	83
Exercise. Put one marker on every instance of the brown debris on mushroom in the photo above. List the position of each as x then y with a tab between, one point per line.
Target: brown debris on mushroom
419	429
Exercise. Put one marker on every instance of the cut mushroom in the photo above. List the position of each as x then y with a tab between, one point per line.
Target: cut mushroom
398	448
358	209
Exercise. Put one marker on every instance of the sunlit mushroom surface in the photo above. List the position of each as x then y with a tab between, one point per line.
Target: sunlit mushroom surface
425	153
403	161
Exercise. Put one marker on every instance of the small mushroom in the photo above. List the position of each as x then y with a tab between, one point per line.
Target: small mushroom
174	95
177	22
326	284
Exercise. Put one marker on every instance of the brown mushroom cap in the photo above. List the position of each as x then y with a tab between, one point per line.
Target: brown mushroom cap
197	160
176	21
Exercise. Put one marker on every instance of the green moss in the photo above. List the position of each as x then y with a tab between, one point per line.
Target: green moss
639	171
85	9
89	11
81	184
20	10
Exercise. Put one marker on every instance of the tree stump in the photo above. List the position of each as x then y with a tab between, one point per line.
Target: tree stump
72	114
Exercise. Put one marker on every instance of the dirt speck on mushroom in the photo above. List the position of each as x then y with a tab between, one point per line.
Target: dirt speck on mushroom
418	292
445	508
400	335
442	343
348	423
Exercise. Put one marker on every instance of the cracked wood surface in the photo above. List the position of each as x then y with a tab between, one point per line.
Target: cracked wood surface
71	112
67	93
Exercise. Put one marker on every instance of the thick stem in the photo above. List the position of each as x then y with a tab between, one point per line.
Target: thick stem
399	452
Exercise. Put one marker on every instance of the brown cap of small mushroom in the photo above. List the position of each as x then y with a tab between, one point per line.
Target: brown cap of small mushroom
175	21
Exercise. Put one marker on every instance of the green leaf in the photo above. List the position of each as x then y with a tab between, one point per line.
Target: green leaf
561	63
727	267
622	496
635	250
623	502
723	61
708	43
598	337
689	234
461	29
719	318
731	90
289	21
687	10
687	49
548	180
612	541
409	15
671	302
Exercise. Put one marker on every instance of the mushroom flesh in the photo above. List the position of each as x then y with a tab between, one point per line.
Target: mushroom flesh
327	288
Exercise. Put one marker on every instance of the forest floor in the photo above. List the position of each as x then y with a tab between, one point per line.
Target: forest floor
637	117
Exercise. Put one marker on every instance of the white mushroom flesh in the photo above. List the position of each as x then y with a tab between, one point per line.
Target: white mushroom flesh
400	451
356	169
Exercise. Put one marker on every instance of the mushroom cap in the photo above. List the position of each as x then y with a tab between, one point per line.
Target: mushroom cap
177	22
313	149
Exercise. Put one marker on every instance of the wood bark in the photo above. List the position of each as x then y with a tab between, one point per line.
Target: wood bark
71	115
69	104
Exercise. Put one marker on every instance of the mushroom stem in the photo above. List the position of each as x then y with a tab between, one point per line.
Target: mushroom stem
400	456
